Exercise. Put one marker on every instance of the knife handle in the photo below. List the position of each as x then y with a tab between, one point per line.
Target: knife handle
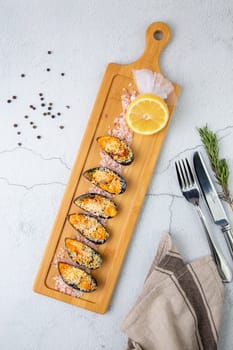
228	234
221	263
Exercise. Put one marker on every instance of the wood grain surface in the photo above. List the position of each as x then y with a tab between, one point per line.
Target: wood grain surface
146	149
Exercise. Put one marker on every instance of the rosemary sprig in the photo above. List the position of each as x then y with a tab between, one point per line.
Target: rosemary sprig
219	166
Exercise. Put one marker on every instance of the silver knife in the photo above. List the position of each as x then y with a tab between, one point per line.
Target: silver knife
212	199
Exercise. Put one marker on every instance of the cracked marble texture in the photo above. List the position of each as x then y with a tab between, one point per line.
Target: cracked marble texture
83	38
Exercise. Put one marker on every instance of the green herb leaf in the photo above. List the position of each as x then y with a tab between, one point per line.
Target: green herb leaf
219	166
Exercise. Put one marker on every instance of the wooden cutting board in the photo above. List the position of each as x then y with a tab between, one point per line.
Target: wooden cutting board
107	107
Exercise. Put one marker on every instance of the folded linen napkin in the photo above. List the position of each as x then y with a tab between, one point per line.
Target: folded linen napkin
180	305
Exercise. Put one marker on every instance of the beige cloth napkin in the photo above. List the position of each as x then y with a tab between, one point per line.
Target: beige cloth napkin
180	305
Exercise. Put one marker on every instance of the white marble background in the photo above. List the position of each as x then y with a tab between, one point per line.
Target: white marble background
84	36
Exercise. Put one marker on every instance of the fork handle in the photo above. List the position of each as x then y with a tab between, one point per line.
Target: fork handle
221	263
228	233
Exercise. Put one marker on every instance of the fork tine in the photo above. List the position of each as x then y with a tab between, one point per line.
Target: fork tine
178	175
181	167
186	173
190	172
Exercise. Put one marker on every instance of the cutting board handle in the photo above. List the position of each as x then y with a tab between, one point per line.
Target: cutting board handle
157	37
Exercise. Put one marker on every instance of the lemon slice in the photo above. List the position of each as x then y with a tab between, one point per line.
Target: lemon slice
147	114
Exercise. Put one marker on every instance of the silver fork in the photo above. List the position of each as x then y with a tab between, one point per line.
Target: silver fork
191	192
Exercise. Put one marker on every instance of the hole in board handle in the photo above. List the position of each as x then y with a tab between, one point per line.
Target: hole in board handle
158	35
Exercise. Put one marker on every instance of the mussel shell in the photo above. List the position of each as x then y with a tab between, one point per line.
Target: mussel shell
117	149
106	179
77	278
97	205
89	227
83	255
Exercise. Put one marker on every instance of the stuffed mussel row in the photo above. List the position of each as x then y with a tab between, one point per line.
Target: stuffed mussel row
84	256
87	224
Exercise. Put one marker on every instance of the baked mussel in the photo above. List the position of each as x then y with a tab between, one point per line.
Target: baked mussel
77	278
83	255
106	179
89	227
97	205
117	149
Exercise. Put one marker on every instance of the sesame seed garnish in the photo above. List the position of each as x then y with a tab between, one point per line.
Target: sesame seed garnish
22	75
34	126
62	74
19	144
26	116
49	52
8	101
38	136
68	107
15	125
18	133
14	97
58	113
42	104
40	94
61	126
48	69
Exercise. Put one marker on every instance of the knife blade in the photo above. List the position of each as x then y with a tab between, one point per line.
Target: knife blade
212	199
